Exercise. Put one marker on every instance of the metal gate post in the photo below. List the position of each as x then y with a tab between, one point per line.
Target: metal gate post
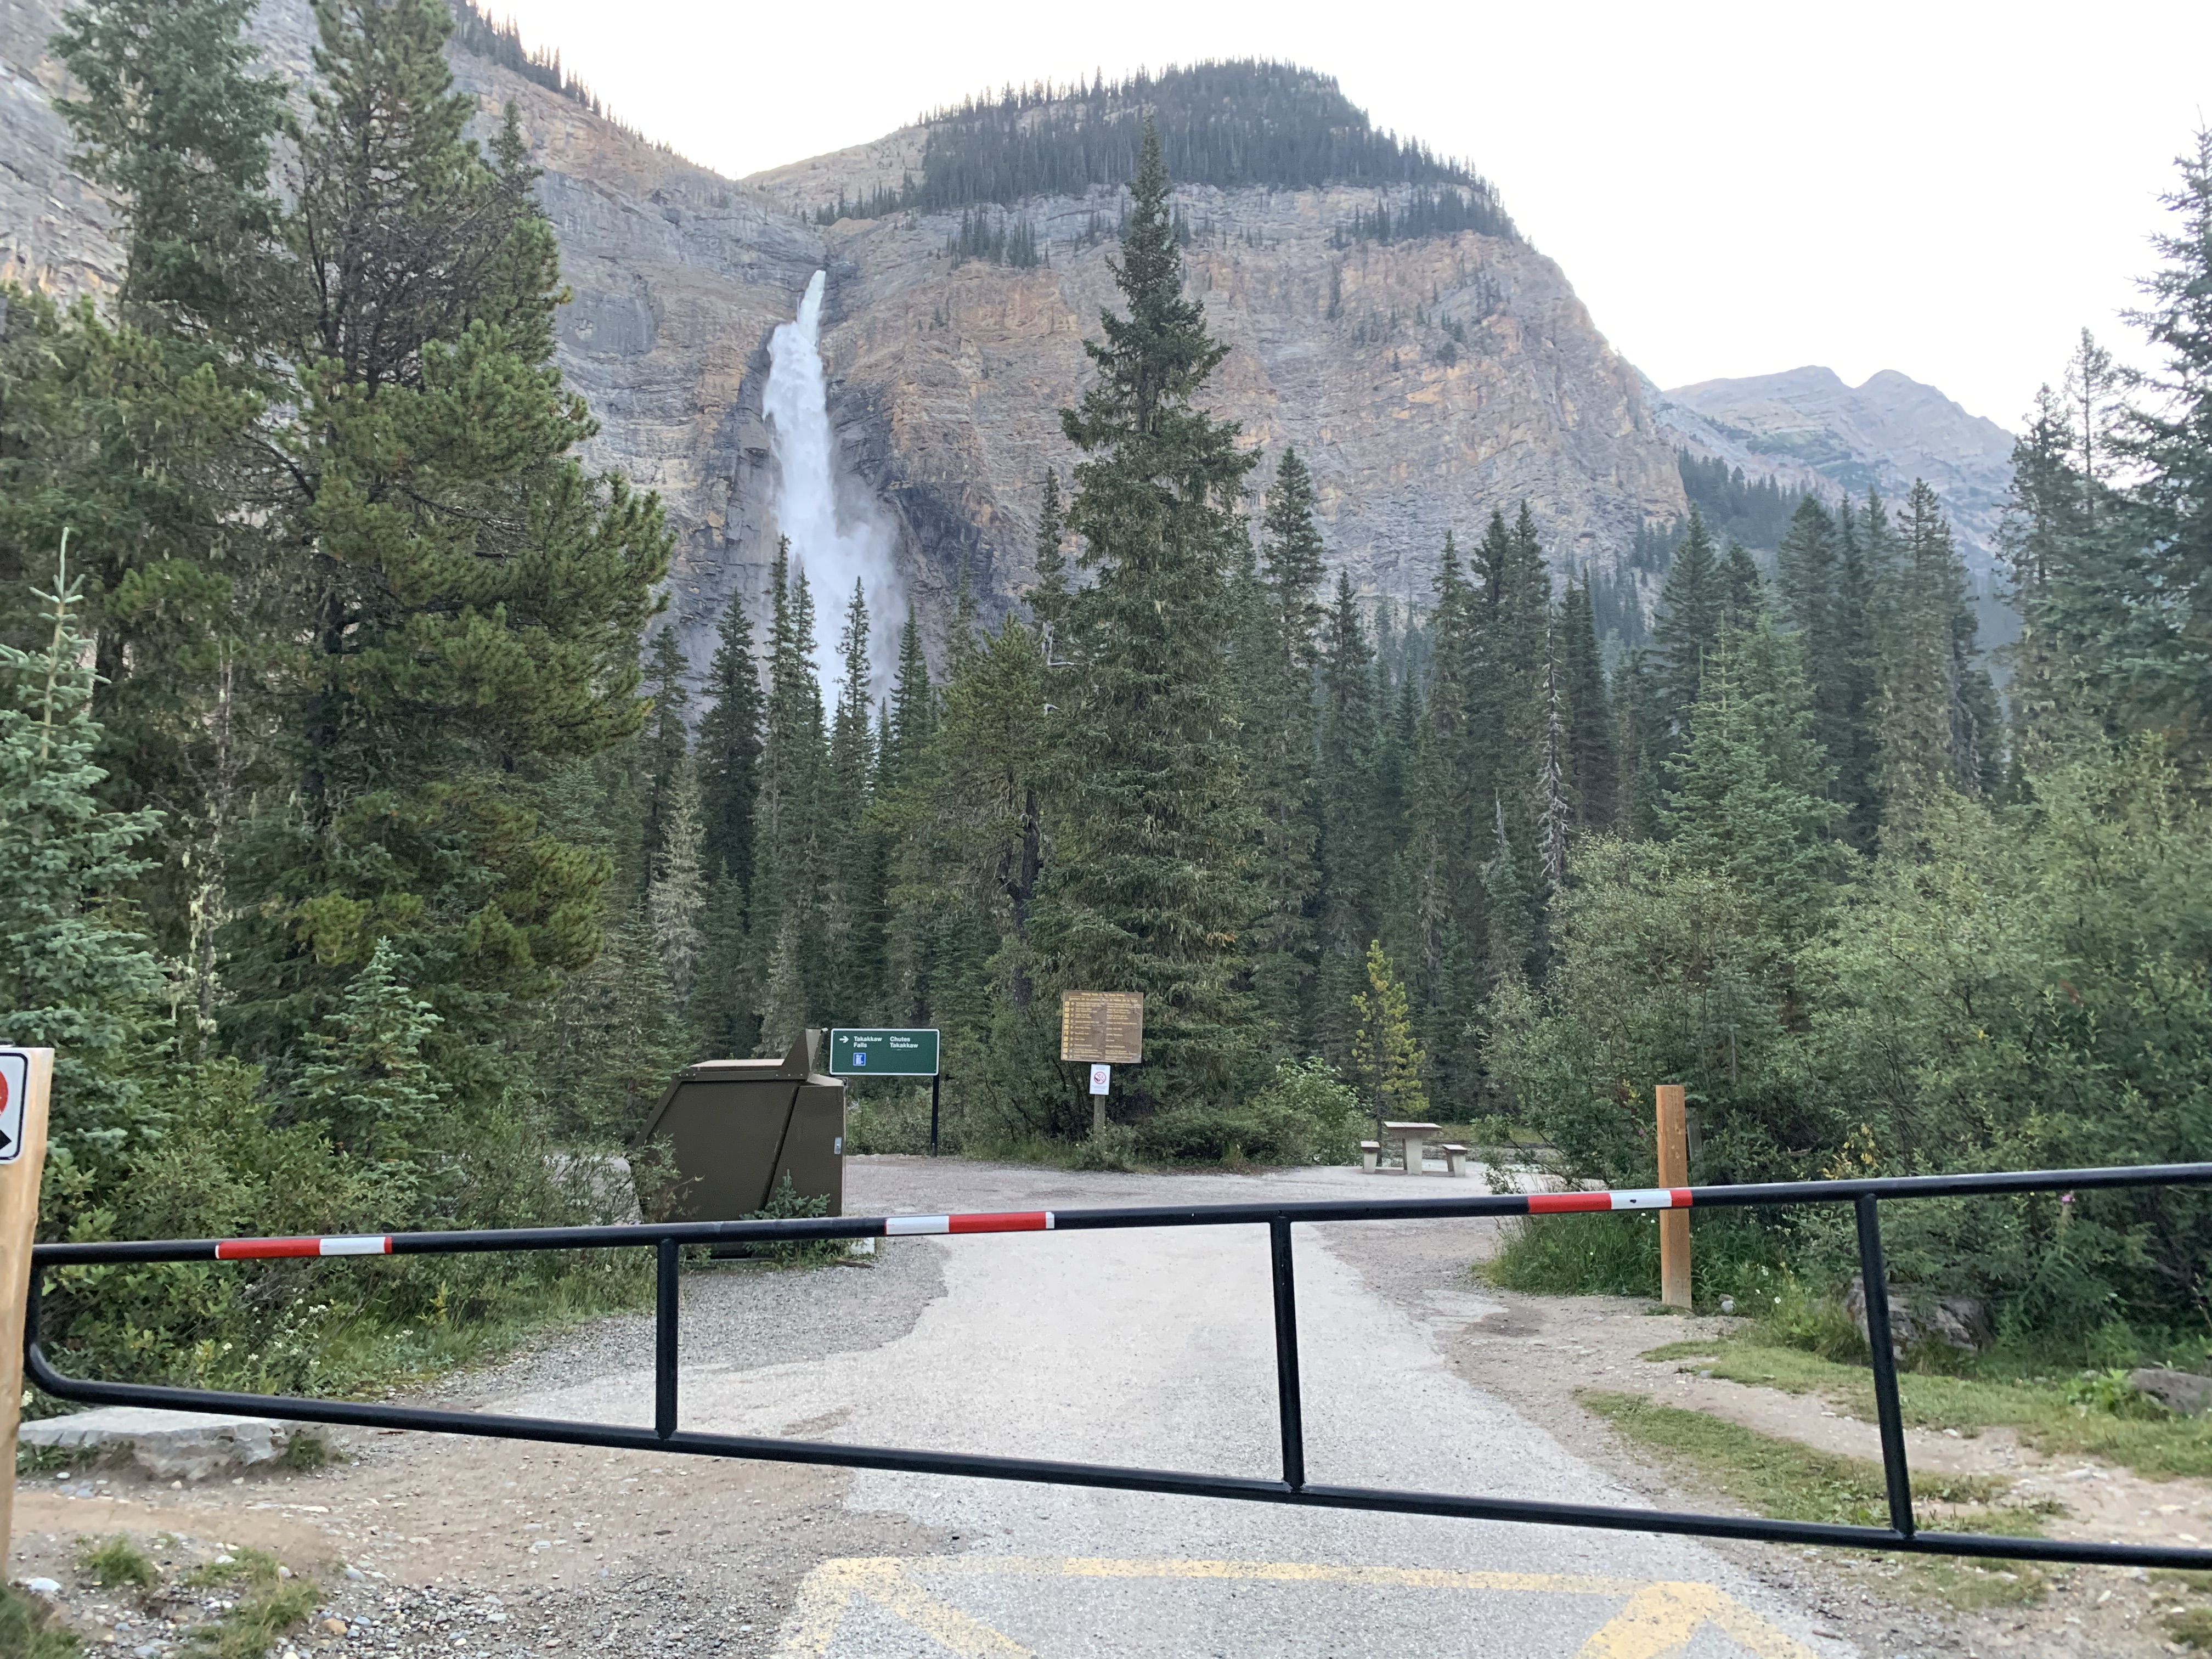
667	1264
1287	1405
1873	1275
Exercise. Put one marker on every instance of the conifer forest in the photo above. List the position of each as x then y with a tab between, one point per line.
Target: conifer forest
375	860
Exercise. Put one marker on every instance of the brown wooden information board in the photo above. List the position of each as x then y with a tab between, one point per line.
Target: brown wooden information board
1103	1027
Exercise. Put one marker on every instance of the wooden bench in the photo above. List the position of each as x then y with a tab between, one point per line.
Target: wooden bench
1370	1155
1455	1158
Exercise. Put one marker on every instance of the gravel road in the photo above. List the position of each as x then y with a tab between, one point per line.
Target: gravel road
1155	1346
1142	1346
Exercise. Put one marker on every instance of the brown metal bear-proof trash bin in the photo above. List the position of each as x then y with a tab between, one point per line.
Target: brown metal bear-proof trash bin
736	1127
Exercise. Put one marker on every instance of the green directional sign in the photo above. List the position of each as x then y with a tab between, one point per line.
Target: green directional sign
865	1052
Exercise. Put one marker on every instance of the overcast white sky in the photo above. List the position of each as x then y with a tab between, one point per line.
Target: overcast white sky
1952	190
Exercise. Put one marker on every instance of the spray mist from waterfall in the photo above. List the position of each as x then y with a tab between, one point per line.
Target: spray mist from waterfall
835	550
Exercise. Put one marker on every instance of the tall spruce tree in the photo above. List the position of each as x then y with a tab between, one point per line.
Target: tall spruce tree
787	936
472	599
1693	608
729	751
173	123
1279	621
2158	648
1150	893
1353	839
1929	710
1593	774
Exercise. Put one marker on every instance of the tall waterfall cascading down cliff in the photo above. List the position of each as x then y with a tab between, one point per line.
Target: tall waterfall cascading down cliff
834	554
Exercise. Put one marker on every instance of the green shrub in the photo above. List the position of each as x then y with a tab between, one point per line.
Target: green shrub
1305	1114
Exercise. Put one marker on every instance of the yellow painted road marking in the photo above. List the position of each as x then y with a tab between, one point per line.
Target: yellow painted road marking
1658	1621
1661	1619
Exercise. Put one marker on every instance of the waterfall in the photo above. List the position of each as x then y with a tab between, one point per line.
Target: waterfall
834	549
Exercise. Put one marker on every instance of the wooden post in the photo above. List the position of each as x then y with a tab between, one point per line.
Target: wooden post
1674	1171
26	1077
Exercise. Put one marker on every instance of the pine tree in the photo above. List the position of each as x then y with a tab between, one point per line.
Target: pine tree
1385	1057
1149	893
1048	598
472	599
729	753
1749	799
369	1083
1446	898
1693	608
856	870
76	979
1281	620
2062	523
789	854
2158	649
1348	800
1926	719
664	745
677	898
1592	771
173	123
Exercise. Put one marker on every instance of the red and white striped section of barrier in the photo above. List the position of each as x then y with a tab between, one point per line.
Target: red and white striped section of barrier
254	1250
1643	1198
1012	1221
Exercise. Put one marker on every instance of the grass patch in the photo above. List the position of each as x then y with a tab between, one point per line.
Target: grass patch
111	1562
1617	1253
2044	1413
29	1629
271	1604
1785	1481
305	1451
2192	1628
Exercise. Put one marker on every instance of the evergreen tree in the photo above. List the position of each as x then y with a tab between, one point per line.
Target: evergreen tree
1048	598
1592	771
1693	608
1386	1058
472	599
1743	590
856	872
2158	648
1446	901
1749	800
173	123
1928	723
2062	524
676	900
663	745
369	1083
729	755
1149	893
77	979
1348	801
789	856
1282	621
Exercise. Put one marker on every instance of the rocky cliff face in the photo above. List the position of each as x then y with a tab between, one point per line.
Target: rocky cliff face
1427	382
1884	433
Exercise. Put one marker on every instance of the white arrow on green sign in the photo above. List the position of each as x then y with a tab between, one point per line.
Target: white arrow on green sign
859	1051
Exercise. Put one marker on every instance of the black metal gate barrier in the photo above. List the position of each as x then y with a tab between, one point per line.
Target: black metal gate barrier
668	1240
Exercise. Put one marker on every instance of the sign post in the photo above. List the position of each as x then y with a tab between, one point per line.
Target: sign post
1674	1171
26	1078
1103	1029
872	1051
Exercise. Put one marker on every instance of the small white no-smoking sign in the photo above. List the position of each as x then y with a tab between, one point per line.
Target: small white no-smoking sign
15	1090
